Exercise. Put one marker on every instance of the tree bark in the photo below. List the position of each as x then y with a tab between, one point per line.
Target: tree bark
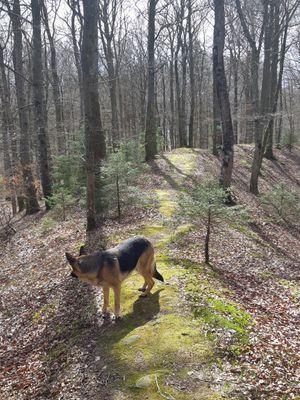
39	101
94	134
181	83
32	205
192	75
150	133
222	94
57	100
74	5
7	126
107	27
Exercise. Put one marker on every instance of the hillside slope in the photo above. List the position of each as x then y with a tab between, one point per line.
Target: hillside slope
227	332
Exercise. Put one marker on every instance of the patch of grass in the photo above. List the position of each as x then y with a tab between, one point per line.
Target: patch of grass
151	230
245	163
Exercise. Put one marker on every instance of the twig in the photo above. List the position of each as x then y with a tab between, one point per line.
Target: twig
165	396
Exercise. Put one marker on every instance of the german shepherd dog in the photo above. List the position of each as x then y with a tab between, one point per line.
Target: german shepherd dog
109	268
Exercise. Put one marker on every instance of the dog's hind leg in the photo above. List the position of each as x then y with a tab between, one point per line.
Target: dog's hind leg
149	284
117	292
105	299
144	287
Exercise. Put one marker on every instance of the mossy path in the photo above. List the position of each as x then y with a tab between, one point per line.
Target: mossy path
156	346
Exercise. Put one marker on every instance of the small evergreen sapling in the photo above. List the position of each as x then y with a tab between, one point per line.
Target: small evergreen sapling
282	204
209	202
120	173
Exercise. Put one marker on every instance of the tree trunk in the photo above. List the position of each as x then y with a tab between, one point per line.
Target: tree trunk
217	130
172	107
274	66
32	205
107	25
192	75
74	5
39	100
58	104
207	236
150	133
6	134
222	94
94	134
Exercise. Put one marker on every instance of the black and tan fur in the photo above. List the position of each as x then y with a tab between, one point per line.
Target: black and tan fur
109	268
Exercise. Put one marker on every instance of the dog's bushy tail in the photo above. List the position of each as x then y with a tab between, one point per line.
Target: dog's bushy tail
157	275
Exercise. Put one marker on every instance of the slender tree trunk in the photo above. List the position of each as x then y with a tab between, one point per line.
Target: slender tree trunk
279	123
58	104
94	134
107	27
274	66
207	236
236	101
150	134
32	205
39	100
217	130
192	75
172	106
164	118
222	94
73	4
6	134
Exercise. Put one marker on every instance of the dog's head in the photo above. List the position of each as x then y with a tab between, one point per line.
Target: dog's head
74	262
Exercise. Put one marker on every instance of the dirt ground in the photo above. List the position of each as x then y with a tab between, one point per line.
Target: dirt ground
226	331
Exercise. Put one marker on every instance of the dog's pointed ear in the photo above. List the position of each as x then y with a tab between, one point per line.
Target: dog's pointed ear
82	251
70	258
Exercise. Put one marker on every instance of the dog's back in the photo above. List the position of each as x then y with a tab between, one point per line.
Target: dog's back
129	252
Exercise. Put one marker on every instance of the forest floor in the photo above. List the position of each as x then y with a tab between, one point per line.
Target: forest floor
229	330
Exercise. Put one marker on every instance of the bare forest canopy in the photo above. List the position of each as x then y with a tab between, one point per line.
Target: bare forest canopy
81	77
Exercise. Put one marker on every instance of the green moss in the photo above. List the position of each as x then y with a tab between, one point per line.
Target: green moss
167	206
156	338
245	163
152	230
183	159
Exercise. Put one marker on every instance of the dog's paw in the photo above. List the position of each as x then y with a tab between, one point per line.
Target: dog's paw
143	295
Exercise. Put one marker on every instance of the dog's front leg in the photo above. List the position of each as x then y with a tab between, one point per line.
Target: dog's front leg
105	299
117	292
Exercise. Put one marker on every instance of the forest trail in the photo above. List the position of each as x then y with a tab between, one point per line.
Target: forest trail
196	334
154	350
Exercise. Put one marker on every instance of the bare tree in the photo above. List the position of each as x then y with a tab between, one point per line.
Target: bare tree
108	26
7	127
32	205
222	94
57	98
94	134
39	100
150	132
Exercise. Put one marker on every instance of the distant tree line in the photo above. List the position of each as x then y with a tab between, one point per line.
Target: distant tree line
182	73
